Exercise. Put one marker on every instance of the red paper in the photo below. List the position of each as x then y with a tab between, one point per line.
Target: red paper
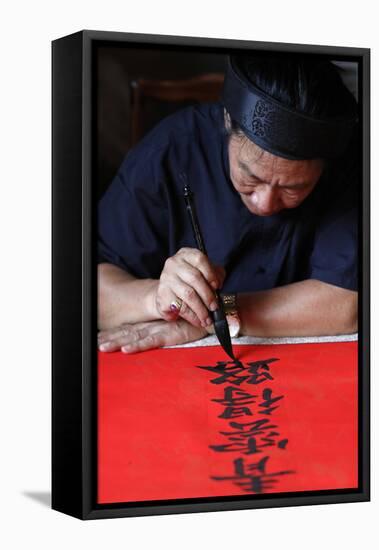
162	436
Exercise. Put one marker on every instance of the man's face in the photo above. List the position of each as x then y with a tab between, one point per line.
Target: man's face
267	183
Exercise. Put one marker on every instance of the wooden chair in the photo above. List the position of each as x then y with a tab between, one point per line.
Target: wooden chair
174	94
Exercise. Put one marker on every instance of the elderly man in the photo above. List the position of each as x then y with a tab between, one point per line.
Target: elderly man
275	170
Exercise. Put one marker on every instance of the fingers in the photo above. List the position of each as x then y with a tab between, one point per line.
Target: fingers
202	263
143	340
150	341
189	276
197	314
197	289
114	339
144	336
130	338
200	318
111	334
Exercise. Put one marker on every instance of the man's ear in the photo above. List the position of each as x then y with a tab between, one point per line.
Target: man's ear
228	121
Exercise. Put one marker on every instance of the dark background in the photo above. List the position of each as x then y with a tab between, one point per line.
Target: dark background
117	67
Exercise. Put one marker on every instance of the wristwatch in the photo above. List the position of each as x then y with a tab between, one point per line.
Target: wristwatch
231	312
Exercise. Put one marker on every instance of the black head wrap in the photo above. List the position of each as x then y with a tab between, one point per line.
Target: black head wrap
279	129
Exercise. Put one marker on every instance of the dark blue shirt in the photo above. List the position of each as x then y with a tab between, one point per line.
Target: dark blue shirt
142	218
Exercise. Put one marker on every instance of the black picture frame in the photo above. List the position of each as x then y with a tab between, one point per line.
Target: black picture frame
75	289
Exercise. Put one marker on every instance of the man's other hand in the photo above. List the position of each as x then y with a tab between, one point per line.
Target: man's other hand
133	338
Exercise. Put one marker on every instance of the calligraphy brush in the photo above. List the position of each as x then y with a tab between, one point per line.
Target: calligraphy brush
219	319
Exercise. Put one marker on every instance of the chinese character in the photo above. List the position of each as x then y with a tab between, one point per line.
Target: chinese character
235	401
253	477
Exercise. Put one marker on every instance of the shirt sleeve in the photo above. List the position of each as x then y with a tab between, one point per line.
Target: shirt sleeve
334	257
132	219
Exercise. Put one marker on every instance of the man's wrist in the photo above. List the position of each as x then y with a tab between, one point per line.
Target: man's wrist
150	299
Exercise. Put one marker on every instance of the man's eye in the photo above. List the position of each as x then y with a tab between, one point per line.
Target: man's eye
251	183
247	185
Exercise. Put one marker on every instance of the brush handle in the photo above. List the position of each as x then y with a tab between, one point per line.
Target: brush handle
219	314
191	209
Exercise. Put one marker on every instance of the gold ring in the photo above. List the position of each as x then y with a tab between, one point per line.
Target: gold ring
176	305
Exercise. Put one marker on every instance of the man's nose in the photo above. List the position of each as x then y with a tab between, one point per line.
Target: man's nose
265	200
